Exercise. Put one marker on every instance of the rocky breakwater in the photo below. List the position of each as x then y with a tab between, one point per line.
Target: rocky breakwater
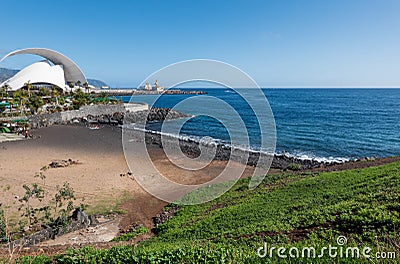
117	118
104	114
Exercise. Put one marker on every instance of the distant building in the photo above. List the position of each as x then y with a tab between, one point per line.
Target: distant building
147	87
155	87
56	70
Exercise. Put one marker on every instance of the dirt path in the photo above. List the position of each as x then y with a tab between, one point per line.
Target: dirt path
104	232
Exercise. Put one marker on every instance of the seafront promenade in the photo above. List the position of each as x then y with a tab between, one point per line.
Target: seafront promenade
6	137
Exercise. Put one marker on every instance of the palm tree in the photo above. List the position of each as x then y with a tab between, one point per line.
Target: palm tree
71	85
21	97
28	85
55	94
17	98
35	102
3	92
86	85
6	87
44	91
80	98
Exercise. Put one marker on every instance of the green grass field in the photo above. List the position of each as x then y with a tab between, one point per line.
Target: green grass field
289	211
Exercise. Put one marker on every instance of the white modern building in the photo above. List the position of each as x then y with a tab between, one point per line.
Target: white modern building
56	69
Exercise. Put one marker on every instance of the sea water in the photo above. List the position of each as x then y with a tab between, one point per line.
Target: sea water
324	124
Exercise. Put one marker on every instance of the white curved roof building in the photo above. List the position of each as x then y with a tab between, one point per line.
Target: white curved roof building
38	72
63	70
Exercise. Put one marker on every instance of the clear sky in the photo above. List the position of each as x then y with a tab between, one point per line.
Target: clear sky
279	43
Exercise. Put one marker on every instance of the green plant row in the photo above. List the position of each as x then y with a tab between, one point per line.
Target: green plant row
128	236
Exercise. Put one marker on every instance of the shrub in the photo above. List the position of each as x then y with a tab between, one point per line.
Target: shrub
128	236
293	167
3	233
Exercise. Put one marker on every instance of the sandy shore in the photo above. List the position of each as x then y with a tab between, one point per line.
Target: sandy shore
100	179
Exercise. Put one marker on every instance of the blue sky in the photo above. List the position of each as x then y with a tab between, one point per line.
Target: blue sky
279	43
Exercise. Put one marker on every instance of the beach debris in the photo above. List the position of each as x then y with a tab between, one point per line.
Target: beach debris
128	174
62	163
93	126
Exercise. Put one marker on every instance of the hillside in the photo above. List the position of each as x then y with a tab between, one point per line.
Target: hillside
303	210
96	83
8	73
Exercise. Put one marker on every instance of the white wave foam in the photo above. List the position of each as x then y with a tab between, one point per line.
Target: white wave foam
302	156
218	142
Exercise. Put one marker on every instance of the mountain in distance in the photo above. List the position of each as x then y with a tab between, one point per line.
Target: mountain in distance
8	73
96	83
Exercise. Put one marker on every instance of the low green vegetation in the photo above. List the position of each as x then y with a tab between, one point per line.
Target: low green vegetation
3	227
130	235
303	210
294	166
111	205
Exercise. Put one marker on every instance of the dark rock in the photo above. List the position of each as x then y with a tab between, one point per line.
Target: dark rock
62	163
165	215
93	220
81	217
223	152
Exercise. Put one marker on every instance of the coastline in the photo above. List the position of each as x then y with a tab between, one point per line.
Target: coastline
101	177
118	115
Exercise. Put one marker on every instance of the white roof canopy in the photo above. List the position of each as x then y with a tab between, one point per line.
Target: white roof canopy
72	73
38	72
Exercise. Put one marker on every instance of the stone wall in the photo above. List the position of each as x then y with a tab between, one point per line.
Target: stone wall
93	110
42	120
79	221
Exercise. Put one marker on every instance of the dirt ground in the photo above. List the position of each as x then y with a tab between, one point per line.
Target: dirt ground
100	177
